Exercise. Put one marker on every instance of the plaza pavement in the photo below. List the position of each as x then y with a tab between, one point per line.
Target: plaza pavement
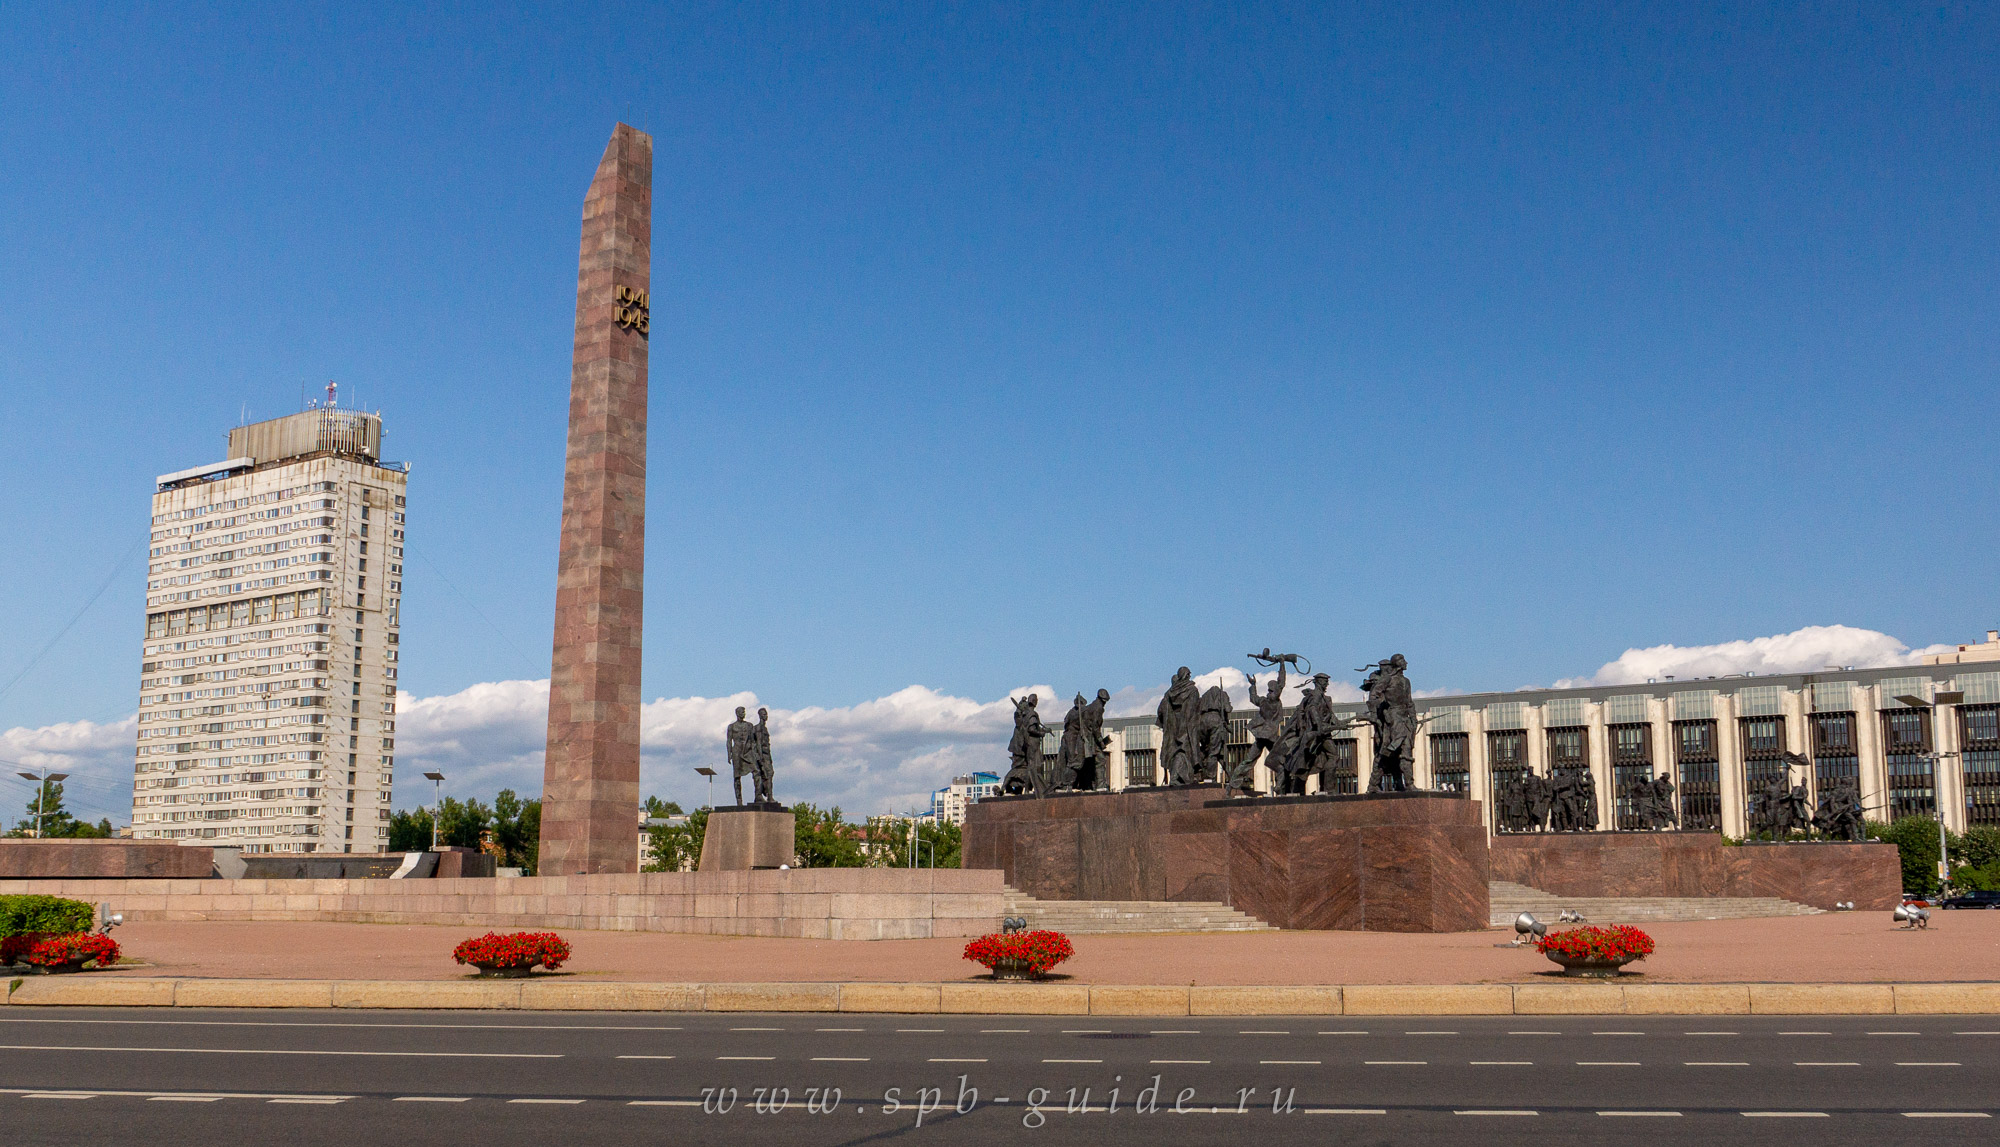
1833	948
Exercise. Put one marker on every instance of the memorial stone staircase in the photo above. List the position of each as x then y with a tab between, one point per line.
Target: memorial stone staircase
1510	900
1084	917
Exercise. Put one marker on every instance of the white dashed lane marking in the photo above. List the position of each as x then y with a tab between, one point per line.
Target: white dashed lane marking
748	1058
1497	1111
1641	1114
645	1057
840	1059
1716	1063
1289	1062
1785	1115
1946	1115
1939	1064
429	1099
1503	1063
1395	1062
1808	1063
284	1051
562	1102
1345	1110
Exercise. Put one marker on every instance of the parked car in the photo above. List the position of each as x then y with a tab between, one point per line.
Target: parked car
1917	899
1973	900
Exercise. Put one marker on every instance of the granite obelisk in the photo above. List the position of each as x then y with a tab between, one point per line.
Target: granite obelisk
590	775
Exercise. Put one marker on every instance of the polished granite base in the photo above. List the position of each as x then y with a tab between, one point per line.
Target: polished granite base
1391	862
1819	873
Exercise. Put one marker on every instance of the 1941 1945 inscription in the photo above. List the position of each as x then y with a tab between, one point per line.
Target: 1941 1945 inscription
631	309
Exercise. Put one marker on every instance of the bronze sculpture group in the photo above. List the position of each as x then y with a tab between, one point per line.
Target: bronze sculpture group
1564	802
1195	735
1781	809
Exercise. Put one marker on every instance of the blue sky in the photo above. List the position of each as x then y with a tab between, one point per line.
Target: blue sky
1056	344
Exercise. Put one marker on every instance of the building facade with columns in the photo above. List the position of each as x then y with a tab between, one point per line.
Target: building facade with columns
1917	738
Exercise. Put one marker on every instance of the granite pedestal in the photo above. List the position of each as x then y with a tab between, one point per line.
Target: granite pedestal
741	837
102	859
1819	873
1388	862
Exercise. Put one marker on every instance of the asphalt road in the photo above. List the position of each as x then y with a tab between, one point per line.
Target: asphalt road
71	1076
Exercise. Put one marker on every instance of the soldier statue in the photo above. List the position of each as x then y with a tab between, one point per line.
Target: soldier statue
1177	715
1840	811
1212	734
1393	713
1541	794
1305	747
1265	730
1024	751
740	744
1665	813
762	769
1080	759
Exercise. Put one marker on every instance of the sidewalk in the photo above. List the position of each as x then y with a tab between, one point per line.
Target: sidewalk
1834	948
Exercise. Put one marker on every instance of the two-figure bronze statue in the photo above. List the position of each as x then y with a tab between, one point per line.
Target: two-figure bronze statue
749	750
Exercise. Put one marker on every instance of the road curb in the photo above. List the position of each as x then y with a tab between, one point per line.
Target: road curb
989	998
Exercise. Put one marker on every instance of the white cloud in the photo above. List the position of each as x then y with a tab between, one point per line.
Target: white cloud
881	755
1807	650
97	757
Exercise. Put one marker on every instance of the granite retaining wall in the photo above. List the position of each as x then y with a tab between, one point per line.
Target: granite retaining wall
818	904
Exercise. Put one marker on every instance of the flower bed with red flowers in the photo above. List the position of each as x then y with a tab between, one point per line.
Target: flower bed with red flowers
53	951
513	950
1039	950
1617	943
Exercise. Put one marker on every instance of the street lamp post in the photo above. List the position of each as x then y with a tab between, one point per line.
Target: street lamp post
437	804
1941	697
42	794
710	774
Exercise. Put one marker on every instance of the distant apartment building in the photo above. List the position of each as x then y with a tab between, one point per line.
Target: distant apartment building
1916	739
267	688
948	804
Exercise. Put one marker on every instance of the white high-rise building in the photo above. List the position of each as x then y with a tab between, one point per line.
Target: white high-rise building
267	689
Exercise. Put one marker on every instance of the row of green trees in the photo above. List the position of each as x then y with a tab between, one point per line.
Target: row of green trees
822	838
1975	853
513	825
46	809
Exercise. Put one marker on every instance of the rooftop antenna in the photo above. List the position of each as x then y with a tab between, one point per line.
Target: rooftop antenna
332	393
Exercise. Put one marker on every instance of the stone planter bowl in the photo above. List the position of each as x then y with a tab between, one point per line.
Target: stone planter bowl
1014	970
1590	966
505	971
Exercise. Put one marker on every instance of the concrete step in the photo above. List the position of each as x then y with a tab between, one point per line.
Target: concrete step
1084	917
1509	900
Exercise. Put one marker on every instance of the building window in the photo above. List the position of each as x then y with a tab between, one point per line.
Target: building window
1836	753
1700	775
1979	738
1346	781
1141	766
1450	770
1631	763
1507	763
1906	741
1763	740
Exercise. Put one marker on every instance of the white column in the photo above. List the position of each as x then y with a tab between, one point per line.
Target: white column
1729	755
1597	742
1869	747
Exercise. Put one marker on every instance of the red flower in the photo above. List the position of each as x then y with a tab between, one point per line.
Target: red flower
1040	950
45	950
513	950
1617	942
